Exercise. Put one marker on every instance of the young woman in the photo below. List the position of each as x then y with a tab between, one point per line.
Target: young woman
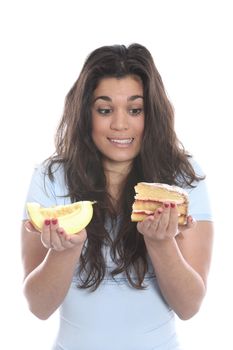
118	284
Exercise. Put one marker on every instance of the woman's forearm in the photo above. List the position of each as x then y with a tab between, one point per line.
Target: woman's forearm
182	287
47	285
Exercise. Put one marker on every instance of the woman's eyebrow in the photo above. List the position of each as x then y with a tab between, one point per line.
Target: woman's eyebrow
134	97
105	98
108	99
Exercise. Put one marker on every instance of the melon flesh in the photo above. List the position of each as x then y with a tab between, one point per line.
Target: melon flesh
71	217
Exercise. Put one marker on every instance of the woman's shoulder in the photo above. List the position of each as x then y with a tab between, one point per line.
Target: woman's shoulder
49	171
47	166
199	202
51	178
197	166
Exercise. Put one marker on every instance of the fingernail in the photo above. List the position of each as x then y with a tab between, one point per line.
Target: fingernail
47	222
166	205
173	205
54	221
159	211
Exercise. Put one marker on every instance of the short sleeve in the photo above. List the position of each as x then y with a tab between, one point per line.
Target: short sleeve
199	203
44	191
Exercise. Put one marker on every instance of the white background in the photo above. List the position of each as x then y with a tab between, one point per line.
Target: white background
43	47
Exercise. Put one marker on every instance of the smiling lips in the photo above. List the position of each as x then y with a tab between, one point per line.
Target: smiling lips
121	141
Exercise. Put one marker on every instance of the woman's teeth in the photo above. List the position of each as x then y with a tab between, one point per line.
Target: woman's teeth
122	141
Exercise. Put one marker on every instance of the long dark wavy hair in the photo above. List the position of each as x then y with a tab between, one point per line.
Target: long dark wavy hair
162	158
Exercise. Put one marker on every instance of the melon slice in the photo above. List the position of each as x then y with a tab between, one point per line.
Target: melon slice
71	217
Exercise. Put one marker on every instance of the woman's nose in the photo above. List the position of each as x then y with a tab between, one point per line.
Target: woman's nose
119	121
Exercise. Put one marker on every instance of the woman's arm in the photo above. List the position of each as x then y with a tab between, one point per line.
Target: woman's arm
48	272
181	262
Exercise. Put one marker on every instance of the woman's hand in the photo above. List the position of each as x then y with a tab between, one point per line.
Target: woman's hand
163	225
54	237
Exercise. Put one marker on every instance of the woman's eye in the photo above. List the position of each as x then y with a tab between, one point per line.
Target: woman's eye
135	111
104	110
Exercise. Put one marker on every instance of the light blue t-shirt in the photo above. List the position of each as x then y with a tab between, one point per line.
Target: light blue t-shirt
115	316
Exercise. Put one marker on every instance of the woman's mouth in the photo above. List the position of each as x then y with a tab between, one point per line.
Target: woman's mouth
127	141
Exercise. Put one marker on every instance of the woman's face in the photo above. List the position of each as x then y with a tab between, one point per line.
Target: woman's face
118	119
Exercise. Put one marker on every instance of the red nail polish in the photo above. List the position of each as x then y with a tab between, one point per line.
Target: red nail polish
54	221
47	222
173	205
159	211
167	205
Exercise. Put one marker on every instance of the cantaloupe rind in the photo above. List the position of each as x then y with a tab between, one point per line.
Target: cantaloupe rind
73	218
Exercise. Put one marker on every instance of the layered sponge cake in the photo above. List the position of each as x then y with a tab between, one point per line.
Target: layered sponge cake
151	196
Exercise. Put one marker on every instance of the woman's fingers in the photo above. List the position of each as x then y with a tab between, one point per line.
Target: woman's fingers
77	238
162	225
173	220
29	226
45	234
149	226
54	237
64	238
55	240
191	222
164	219
69	241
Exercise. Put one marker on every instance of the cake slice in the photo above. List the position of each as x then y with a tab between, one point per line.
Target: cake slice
150	196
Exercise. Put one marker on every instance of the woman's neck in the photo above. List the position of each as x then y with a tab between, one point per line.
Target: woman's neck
115	176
